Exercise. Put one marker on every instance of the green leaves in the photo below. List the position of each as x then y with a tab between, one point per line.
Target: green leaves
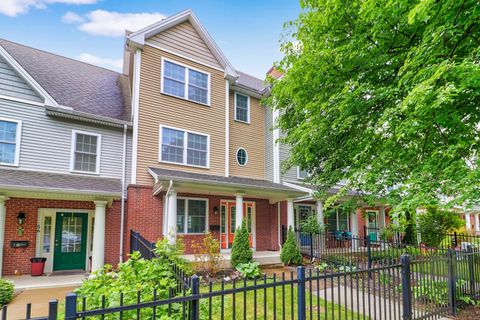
386	96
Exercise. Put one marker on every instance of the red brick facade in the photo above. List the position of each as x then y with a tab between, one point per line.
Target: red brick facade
146	216
19	259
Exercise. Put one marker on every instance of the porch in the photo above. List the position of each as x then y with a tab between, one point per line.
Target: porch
27	282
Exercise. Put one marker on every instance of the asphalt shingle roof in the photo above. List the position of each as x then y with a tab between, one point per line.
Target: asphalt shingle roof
249	81
165	174
81	86
34	181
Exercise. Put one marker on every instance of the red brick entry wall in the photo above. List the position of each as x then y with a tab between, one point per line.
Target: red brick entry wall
19	259
145	215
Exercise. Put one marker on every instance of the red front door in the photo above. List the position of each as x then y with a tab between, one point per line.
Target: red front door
228	221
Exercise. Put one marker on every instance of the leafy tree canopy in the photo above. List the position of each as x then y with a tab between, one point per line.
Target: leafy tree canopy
385	95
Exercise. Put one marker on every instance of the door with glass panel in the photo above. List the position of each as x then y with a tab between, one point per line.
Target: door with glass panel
372	225
70	241
228	221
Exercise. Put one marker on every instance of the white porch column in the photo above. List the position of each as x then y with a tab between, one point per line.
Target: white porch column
290	214
468	225
3	215
98	250
381	217
320	212
172	216
238	211
477	222
354	229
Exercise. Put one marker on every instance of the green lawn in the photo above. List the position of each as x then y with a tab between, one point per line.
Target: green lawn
440	268
253	304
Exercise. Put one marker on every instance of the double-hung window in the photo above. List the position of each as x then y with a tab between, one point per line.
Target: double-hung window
187	83
184	147
242	108
338	220
191	215
85	152
10	131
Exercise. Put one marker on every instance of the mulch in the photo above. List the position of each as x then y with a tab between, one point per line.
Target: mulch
469	313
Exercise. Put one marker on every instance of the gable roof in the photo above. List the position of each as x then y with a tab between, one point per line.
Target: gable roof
74	84
138	38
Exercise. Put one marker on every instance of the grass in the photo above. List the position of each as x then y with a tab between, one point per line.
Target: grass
265	303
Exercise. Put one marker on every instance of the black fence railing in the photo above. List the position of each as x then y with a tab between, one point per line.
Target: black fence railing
417	287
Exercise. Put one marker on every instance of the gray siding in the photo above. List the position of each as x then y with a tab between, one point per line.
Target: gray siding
46	141
268	144
12	85
290	174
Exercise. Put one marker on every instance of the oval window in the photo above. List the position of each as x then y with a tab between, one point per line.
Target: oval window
242	156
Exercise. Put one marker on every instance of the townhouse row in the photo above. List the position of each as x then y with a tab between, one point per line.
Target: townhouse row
176	145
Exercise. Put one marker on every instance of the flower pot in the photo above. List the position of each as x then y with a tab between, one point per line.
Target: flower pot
38	264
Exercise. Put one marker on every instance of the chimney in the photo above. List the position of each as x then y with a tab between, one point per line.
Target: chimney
274	73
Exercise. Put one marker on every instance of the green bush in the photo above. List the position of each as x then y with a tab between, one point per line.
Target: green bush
249	270
435	223
134	276
311	225
290	254
6	291
241	251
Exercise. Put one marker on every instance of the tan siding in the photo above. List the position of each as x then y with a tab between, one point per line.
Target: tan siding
157	108
251	137
183	39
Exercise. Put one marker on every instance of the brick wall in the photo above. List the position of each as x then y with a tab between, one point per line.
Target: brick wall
145	215
19	258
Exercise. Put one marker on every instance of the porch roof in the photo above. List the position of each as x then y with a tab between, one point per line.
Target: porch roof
21	181
220	185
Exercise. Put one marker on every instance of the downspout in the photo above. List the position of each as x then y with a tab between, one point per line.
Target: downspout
166	208
122	204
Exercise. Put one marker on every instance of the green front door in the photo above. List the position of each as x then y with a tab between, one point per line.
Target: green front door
70	241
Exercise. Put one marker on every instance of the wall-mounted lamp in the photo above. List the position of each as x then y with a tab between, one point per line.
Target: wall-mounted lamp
21	218
215	210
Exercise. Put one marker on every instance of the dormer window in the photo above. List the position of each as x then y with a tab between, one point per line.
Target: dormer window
184	82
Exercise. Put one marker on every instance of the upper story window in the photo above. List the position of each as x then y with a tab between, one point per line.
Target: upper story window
85	152
10	132
184	82
302	174
184	147
242	108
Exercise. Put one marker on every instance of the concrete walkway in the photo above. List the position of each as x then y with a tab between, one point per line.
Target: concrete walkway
27	282
39	299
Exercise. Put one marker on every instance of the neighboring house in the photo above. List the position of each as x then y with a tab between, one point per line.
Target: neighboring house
198	141
64	128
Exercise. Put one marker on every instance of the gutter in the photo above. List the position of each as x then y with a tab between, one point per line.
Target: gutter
87	117
122	204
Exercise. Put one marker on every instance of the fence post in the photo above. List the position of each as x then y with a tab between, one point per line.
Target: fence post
451	282
71	306
471	269
455	239
4	312
311	246
406	287
195	306
52	309
302	306
369	252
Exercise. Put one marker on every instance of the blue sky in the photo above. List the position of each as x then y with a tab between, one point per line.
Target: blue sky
248	32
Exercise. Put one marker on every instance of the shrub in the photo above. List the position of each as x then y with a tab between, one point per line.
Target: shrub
207	253
6	291
435	223
249	270
241	251
290	254
311	225
134	276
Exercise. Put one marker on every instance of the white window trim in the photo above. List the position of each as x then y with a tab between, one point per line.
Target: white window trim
185	226
235	107
72	151
18	140
185	91
298	174
236	156
185	148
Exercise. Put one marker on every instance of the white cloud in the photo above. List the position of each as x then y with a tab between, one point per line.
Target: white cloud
115	64
71	17
13	8
114	24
